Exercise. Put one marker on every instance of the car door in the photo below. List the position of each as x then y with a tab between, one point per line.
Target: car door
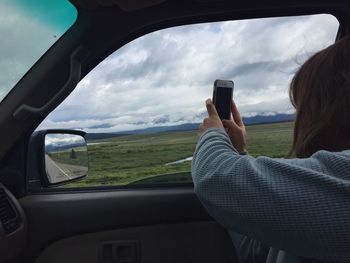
165	225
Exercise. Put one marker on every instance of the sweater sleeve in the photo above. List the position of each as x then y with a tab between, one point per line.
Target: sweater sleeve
249	250
297	205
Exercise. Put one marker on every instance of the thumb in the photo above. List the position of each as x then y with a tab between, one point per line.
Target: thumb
211	108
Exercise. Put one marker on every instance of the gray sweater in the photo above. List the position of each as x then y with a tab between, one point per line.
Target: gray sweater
296	208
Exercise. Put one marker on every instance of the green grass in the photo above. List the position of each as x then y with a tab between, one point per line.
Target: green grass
273	140
141	159
79	157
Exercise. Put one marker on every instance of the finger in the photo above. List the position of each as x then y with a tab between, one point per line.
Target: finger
236	115
211	108
231	125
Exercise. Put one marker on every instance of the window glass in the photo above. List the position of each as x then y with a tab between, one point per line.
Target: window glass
142	105
28	29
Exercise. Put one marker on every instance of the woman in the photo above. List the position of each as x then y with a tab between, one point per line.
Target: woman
289	210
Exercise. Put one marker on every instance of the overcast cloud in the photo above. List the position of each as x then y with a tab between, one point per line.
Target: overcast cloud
164	78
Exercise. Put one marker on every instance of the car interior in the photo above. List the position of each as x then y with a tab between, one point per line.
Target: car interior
40	223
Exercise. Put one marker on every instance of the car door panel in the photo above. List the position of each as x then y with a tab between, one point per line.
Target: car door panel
172	219
182	242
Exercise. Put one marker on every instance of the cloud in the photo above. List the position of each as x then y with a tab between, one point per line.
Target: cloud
63	139
163	78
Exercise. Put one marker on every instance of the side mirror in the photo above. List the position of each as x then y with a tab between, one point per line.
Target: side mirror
65	158
56	157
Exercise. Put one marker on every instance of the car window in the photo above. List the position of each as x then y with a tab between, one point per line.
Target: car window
25	25
142	105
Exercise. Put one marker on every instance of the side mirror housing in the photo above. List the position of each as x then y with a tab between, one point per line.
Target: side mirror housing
58	156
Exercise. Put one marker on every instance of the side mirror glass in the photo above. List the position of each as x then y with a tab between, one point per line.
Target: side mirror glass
65	157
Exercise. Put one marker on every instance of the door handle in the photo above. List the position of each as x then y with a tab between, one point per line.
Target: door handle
119	252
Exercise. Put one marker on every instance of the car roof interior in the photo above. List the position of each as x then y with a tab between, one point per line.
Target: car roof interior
103	26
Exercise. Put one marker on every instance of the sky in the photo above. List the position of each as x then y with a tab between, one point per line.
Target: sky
55	139
164	78
28	28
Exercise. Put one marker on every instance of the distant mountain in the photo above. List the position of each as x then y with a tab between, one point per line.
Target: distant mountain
258	119
62	147
98	136
180	127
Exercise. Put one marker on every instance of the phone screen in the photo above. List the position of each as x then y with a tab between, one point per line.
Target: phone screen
222	101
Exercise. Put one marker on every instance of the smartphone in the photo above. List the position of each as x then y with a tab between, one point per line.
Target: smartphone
222	97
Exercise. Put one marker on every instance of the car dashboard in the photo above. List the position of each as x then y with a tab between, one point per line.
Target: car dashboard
13	226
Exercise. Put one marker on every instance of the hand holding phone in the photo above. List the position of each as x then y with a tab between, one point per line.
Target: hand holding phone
236	130
222	98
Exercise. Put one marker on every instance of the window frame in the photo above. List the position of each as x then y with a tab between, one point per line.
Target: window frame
54	189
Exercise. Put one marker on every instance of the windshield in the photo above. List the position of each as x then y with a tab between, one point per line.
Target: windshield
28	29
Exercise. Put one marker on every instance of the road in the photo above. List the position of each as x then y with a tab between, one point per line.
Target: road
58	172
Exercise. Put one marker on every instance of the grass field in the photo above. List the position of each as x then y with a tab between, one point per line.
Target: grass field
141	159
80	156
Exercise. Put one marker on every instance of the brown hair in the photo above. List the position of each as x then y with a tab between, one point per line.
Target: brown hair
320	93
